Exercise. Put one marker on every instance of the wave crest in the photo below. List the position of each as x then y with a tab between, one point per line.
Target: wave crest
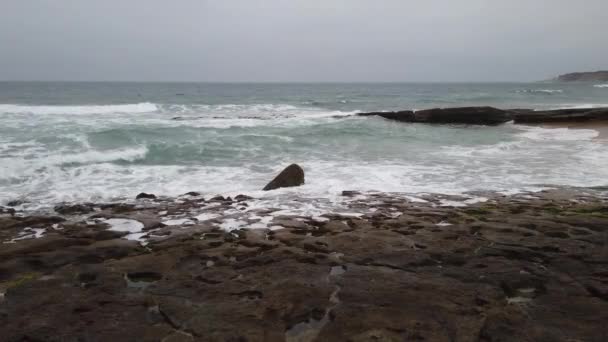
134	108
540	91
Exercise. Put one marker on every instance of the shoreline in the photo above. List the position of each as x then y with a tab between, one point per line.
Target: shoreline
518	267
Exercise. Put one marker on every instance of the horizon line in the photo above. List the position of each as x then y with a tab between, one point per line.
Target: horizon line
264	82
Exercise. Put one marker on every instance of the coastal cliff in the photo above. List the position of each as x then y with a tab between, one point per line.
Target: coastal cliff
584	76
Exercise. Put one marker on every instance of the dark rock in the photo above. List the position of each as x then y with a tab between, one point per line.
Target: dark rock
9	211
218	198
71	209
145	195
562	115
118	207
293	175
494	274
192	193
241	198
404	115
350	193
459	115
463	115
15	203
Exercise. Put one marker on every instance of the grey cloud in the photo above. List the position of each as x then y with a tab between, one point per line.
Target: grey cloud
300	40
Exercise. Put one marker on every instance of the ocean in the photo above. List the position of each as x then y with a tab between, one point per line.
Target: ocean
78	142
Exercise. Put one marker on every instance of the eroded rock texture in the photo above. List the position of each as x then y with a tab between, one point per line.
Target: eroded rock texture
517	268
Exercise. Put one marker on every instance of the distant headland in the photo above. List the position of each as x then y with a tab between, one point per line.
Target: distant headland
584	76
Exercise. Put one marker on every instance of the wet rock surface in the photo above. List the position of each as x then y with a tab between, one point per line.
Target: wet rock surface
528	267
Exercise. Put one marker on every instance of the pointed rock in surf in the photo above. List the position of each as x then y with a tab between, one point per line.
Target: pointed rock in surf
293	175
145	195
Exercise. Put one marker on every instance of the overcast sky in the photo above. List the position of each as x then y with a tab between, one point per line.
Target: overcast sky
301	40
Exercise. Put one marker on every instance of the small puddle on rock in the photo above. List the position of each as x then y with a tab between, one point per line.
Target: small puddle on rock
141	280
308	331
337	270
523	296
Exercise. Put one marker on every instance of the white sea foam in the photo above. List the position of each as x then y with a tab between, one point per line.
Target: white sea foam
96	156
582	106
413	159
28	233
134	108
540	91
232	224
178	222
124	225
297	118
560	134
601	85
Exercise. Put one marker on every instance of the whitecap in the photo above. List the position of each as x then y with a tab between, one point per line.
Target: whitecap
561	134
582	106
134	108
540	91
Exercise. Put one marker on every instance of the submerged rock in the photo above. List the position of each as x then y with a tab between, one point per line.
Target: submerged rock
241	198
145	195
69	209
15	203
293	175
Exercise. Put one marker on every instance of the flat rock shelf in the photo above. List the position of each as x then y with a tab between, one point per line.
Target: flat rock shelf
524	267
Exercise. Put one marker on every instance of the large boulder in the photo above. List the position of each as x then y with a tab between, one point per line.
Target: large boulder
293	175
562	115
460	115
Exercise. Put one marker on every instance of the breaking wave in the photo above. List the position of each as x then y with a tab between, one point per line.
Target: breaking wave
144	107
540	91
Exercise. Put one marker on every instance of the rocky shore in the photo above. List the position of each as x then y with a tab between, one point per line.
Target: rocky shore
489	267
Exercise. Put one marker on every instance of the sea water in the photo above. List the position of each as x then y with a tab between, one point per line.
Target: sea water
74	142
